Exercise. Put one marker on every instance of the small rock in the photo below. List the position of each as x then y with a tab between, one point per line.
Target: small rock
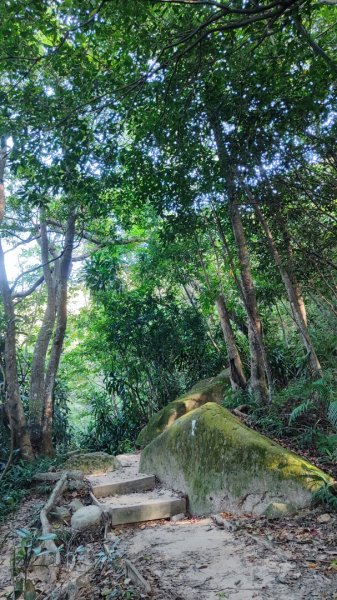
61	513
75	505
219	521
112	537
157	574
76	485
276	510
86	517
178	517
127	581
142	527
229	526
325	518
223	524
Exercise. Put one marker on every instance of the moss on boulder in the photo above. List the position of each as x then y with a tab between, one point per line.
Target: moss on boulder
223	465
207	390
92	463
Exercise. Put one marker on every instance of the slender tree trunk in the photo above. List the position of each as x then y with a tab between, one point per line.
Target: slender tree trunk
260	371
37	381
259	365
58	339
237	376
3	155
293	291
17	419
15	410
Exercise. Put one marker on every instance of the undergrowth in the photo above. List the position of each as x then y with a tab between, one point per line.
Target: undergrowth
15	486
304	413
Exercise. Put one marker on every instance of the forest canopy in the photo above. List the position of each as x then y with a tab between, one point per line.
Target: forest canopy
168	180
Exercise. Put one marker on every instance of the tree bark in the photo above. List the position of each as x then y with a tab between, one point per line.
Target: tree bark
292	287
17	419
3	155
259	365
58	338
237	376
260	371
37	381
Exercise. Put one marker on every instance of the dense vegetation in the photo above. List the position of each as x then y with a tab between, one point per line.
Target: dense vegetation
168	177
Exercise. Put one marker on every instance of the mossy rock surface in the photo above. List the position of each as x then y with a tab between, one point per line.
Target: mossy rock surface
207	390
92	463
223	465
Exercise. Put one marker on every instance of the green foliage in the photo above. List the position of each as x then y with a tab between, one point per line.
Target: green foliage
110	429
301	413
17	483
327	446
31	546
326	496
319	402
332	414
155	347
300	410
122	128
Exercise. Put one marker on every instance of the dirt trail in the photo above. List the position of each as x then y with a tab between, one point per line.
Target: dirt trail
238	558
243	558
195	558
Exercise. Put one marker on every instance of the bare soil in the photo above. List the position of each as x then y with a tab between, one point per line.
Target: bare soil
239	558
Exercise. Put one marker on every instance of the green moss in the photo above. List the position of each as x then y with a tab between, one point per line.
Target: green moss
93	463
208	390
222	464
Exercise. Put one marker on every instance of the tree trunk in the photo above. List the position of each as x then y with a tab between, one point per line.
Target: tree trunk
3	154
17	419
259	364
37	381
58	339
15	410
293	291
237	376
260	372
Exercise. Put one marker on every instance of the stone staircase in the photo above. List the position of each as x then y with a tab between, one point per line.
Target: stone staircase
131	497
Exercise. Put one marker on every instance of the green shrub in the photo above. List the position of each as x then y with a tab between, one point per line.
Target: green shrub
15	486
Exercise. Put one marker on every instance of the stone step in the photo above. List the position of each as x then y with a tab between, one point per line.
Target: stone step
124	486
136	508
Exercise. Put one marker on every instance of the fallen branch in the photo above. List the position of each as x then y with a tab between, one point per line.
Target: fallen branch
132	572
267	545
57	475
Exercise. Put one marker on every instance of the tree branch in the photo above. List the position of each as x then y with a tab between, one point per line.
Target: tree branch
313	45
30	290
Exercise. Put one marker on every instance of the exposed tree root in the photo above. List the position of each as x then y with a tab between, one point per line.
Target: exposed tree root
57	492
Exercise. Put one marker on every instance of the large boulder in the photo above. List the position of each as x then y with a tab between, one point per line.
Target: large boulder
208	390
93	463
222	465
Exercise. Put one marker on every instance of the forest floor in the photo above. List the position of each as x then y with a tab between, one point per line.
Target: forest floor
242	558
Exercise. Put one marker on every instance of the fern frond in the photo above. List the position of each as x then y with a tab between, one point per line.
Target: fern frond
326	496
300	410
332	414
